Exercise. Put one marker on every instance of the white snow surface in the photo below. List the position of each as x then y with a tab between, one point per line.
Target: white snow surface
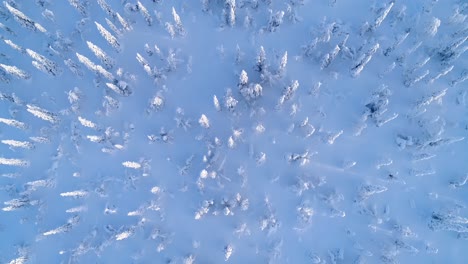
238	131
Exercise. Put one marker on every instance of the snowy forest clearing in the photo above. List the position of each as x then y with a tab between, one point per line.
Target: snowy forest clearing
241	131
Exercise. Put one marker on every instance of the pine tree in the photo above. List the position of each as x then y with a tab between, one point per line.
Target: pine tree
230	12
100	54
74	67
81	6
397	42
179	27
124	22
14	46
288	92
216	103
260	64
24	20
243	80
98	69
14	162
283	64
204	122
13	123
205	5
356	70
144	12
42	113
13	70
463	77
170	29
450	52
383	14
106	8
275	21
113	27
329	57
44	64
108	37
252	91
433	26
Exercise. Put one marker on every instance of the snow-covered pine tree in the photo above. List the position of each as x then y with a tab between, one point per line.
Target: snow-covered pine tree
283	64
73	67
14	162
359	66
260	63
179	27
14	46
275	20
329	57
15	71
14	123
204	121
123	22
239	54
252	91
397	42
24	20
108	37
81	6
243	80
98	69
101	54
461	78
144	12
433	26
229	12
451	52
42	113
170	29
43	64
113	27
383	14
205	5
441	73
145	64
107	8
288	92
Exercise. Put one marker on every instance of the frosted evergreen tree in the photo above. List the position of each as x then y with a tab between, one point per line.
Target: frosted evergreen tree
433	26
108	37
106	8
81	6
288	92
144	12
275	21
383	14
179	27
461	78
450	52
15	71
260	63
250	91
124	22
229	12
101	54
283	64
24	20
329	57
113	27
359	66
243	80
43	64
170	29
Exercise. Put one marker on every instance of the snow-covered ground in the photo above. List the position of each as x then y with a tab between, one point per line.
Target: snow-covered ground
245	131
